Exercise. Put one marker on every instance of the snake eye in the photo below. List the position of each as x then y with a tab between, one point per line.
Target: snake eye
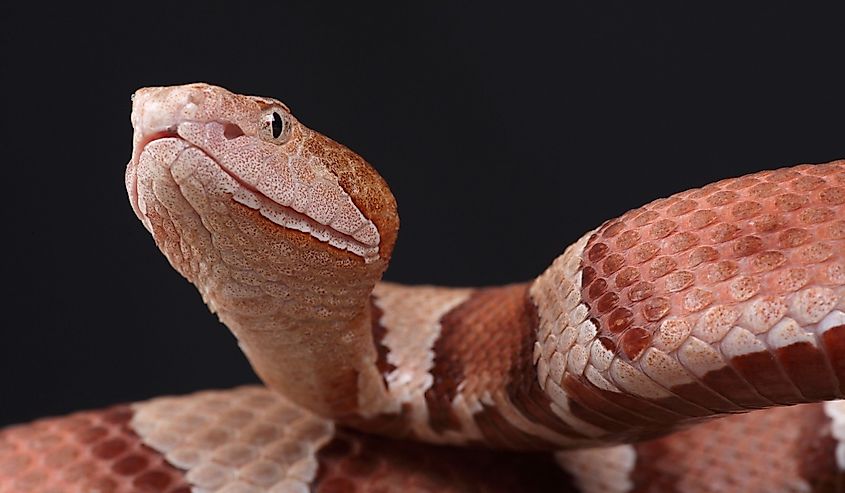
274	126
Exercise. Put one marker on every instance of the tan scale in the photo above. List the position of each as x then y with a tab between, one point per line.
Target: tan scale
412	317
242	440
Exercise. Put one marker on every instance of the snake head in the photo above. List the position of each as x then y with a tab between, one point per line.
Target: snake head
268	162
283	231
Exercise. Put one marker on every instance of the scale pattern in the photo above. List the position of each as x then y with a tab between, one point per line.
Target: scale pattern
251	440
786	449
85	452
246	439
719	299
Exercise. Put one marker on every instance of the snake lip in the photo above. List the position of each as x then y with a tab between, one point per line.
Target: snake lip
139	146
161	134
144	140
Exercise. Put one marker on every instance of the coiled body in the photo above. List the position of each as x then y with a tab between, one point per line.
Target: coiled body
715	301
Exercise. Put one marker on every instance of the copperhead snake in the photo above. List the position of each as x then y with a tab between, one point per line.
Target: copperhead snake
710	303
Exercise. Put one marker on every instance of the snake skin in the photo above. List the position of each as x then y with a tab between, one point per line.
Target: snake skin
713	302
250	439
93	451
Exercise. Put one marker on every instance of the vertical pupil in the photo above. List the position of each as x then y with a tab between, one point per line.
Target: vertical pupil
277	125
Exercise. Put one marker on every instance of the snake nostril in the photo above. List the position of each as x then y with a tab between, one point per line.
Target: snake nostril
232	131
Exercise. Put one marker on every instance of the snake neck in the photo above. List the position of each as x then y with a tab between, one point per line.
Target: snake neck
305	325
458	366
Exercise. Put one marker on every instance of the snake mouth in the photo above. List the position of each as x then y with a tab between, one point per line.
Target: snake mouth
139	146
246	194
142	143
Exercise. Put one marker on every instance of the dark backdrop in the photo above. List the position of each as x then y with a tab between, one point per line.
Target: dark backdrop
505	133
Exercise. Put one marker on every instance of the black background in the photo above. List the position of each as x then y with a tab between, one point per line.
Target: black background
504	131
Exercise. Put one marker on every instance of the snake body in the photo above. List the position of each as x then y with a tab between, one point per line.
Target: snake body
712	302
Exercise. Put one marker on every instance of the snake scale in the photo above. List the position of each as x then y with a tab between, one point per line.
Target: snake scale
603	374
